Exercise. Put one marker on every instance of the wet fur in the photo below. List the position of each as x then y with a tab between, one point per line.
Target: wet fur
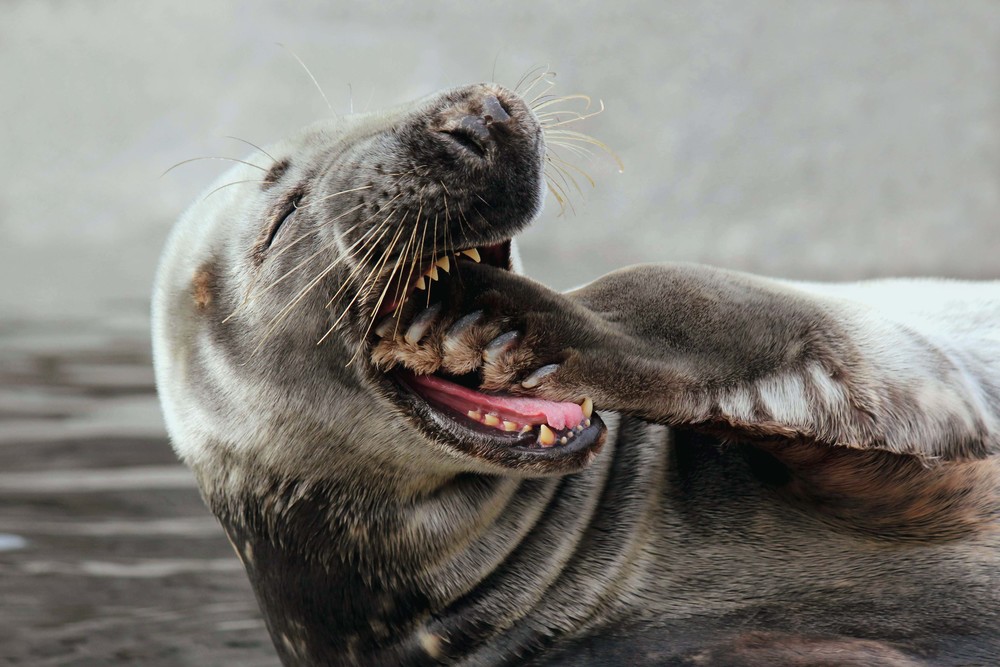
793	474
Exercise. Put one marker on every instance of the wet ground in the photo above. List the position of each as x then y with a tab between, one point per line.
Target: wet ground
107	554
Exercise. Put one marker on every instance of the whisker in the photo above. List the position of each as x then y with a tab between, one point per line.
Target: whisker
419	249
253	288
379	265
385	289
345	232
541	77
252	291
402	285
563	164
575	149
555	193
570	98
434	241
365	240
361	262
318	252
250	143
493	74
568	121
378	306
320	227
315	82
565	178
335	194
524	77
221	187
213	157
549	86
573	136
409	276
280	317
567	175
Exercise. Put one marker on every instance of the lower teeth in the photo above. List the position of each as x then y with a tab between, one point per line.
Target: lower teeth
546	434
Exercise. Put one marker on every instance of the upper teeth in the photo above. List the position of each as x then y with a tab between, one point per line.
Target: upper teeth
445	265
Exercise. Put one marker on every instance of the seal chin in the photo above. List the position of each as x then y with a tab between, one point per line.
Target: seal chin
514	432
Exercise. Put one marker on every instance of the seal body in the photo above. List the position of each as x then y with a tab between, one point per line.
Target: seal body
423	457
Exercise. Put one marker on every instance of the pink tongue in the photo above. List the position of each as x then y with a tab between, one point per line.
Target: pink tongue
512	408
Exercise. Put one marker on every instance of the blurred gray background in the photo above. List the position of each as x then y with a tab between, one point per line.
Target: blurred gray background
824	140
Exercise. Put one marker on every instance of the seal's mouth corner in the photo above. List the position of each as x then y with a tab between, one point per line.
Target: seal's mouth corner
501	427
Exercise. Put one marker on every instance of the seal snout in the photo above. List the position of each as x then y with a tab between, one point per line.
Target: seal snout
478	127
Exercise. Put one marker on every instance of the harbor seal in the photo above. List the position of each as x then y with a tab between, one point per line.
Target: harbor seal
423	457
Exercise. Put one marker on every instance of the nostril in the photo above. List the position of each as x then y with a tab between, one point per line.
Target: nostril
467	139
475	128
477	132
493	111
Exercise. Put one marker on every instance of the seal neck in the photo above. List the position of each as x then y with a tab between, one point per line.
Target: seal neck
341	570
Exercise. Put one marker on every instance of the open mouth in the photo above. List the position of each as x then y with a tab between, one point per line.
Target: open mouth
494	425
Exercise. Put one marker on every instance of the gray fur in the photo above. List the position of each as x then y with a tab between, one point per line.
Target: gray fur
792	474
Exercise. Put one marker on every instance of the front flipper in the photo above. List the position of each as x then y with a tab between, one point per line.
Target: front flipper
737	355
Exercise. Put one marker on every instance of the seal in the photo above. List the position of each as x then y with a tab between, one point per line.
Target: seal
422	456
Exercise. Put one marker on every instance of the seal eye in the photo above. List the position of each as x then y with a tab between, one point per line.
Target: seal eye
286	215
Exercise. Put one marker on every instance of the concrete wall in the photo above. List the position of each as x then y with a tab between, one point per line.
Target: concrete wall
836	140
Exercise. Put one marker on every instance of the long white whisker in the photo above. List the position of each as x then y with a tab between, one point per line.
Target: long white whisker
250	143
335	194
315	82
357	295
228	185
524	77
213	157
279	318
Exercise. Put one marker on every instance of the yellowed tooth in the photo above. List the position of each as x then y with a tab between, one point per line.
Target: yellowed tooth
587	423
473	414
433	272
421	283
491	420
444	263
510	426
588	407
472	254
525	428
546	436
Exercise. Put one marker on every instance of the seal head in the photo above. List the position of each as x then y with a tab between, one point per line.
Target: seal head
274	286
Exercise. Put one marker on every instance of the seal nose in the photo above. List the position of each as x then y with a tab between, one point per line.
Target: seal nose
493	111
476	131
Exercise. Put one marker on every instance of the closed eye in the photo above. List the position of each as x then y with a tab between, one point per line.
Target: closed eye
286	215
